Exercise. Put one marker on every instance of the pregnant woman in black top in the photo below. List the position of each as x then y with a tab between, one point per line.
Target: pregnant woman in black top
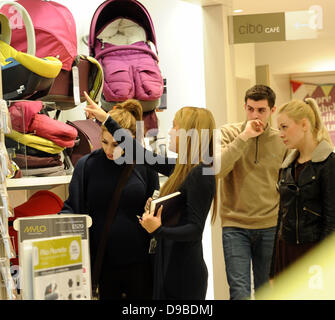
180	270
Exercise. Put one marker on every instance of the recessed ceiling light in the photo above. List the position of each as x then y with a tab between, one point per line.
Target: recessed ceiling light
238	10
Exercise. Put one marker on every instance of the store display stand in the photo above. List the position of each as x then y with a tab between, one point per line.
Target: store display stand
51	229
7	285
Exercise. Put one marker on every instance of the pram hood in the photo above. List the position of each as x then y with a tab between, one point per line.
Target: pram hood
114	9
54	27
25	73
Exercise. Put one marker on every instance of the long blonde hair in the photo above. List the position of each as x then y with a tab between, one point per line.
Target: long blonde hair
199	125
298	109
126	114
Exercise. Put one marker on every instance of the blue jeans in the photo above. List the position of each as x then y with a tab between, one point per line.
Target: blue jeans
240	247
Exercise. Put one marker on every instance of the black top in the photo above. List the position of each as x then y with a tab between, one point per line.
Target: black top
90	192
307	204
180	270
297	168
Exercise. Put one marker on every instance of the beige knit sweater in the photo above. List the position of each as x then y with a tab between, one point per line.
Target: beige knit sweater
249	173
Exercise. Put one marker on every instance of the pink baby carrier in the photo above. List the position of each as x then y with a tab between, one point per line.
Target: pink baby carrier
120	35
52	40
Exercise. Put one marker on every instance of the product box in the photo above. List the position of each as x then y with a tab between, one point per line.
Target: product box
57	268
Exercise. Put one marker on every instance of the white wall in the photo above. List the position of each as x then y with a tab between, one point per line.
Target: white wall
245	61
245	73
178	27
297	56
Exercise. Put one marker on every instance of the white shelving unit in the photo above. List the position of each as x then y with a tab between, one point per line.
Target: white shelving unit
35	183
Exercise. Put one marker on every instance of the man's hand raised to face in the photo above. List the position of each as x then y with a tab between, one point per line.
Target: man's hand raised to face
252	129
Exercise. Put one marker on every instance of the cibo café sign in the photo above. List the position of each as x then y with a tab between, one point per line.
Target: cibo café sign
278	26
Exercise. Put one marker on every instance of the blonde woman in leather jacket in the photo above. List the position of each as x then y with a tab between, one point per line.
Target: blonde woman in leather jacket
306	183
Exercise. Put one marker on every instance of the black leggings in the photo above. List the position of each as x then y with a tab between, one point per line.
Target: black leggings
126	282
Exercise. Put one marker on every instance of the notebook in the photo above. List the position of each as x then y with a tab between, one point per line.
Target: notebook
172	206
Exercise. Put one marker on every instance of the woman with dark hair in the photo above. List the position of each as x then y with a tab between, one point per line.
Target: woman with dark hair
126	270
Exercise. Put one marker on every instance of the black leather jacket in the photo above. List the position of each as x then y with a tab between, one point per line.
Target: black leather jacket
307	207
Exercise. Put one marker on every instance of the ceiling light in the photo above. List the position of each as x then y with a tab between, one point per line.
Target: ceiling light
238	10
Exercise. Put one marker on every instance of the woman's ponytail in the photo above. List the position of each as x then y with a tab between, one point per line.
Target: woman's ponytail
127	114
134	107
321	132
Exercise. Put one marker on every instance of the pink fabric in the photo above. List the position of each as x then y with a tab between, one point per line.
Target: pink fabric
26	119
59	132
55	30
130	71
22	114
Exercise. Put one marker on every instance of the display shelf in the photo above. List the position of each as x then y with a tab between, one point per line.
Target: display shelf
32	183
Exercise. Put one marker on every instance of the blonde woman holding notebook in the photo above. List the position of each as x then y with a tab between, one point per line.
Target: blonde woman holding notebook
180	270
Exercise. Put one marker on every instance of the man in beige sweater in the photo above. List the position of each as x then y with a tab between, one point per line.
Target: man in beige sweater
252	153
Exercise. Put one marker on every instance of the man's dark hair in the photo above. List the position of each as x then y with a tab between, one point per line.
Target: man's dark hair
261	92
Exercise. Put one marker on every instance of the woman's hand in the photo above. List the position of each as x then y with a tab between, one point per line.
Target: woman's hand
93	111
147	204
150	222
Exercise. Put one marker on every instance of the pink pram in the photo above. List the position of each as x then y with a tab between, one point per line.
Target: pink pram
120	34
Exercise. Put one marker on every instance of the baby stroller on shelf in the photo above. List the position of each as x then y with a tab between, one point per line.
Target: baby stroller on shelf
24	74
56	37
122	38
